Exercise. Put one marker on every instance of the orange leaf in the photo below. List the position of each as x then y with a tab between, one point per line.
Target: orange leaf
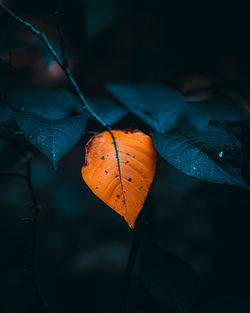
121	183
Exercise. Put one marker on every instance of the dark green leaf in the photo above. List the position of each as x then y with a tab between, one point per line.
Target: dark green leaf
212	155
51	104
201	113
158	106
54	138
168	279
109	111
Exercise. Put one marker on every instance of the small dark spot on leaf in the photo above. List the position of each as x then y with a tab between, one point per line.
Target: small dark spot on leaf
126	162
116	176
106	172
96	187
134	156
129	179
102	158
127	153
126	132
118	196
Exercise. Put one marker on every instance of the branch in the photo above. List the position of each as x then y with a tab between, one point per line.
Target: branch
30	271
66	70
127	275
53	53
61	37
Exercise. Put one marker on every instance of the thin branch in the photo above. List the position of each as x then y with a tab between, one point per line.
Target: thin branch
90	132
31	270
61	38
37	207
66	70
127	275
53	53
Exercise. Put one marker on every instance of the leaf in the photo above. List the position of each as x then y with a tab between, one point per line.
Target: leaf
158	106
6	113
121	183
212	155
201	113
168	279
109	111
51	104
53	137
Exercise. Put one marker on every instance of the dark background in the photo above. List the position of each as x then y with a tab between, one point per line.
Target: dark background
83	245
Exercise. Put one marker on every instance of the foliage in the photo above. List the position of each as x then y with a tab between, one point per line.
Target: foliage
159	107
122	55
212	155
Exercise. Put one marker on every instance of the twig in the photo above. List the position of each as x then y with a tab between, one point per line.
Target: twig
66	70
53	53
36	206
127	275
63	66
31	270
61	38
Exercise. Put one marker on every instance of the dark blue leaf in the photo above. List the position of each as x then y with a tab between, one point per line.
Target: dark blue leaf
168	279
158	106
51	104
109	111
54	138
201	113
212	155
6	113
